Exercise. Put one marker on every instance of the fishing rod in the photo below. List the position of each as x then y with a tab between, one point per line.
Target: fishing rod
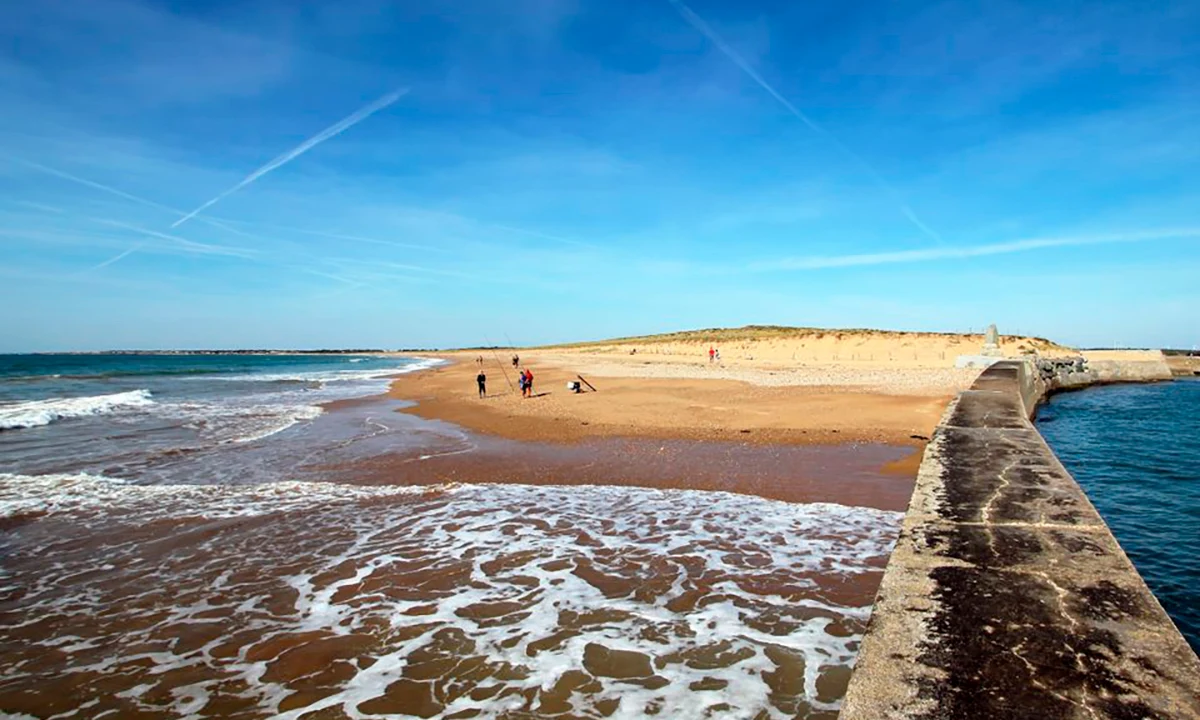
495	355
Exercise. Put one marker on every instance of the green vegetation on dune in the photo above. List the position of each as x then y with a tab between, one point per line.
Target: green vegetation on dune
770	332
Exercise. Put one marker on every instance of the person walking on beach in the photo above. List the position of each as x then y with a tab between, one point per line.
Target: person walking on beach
528	383
482	380
521	382
516	360
711	354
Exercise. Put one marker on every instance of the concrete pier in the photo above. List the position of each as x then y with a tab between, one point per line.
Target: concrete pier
1007	596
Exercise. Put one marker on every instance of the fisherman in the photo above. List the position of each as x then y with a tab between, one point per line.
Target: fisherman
521	382
528	382
482	380
516	360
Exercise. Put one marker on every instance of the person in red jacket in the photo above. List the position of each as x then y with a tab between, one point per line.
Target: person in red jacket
711	353
528	383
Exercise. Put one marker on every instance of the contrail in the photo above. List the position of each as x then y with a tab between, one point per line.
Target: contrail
119	193
329	132
429	248
333	235
95	185
139	200
544	236
39	206
113	259
331	276
820	262
192	245
705	29
189	244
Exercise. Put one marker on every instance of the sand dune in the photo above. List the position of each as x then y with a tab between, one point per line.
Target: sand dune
778	347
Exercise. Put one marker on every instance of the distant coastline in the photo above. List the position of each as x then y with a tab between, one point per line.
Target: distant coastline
348	351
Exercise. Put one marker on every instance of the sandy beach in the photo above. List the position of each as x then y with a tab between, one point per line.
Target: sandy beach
846	386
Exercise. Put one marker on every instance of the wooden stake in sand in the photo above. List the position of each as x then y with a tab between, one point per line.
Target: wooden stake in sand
585	382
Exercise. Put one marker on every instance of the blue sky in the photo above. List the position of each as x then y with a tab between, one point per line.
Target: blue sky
546	170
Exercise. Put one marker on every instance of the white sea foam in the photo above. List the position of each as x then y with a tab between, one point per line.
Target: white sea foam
328	376
82	493
230	422
493	598
43	412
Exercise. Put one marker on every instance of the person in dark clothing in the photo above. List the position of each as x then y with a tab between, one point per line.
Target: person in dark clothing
516	360
482	380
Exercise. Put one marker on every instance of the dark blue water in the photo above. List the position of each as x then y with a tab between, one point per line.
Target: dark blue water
1135	449
188	418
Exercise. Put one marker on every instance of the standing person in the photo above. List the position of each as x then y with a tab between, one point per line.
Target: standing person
482	380
528	383
717	355
516	360
711	354
521	382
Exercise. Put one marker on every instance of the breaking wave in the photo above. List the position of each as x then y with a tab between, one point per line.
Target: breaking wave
36	413
326	376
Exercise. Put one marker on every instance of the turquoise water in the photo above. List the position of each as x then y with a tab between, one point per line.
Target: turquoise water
186	418
1135	449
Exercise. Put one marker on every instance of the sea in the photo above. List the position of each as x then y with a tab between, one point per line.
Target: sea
183	418
1135	450
180	537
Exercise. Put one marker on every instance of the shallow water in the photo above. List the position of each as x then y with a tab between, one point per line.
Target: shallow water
164	418
1135	450
508	601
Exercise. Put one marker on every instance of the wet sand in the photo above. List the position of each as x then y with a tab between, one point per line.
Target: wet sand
507	601
861	475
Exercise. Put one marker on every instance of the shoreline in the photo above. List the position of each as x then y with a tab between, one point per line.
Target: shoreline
876	475
681	402
822	449
847	475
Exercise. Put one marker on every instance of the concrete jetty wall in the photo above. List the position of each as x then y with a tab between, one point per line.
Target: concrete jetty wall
1007	596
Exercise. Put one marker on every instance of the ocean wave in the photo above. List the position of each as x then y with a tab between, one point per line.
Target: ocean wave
36	413
85	494
262	423
324	376
224	423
